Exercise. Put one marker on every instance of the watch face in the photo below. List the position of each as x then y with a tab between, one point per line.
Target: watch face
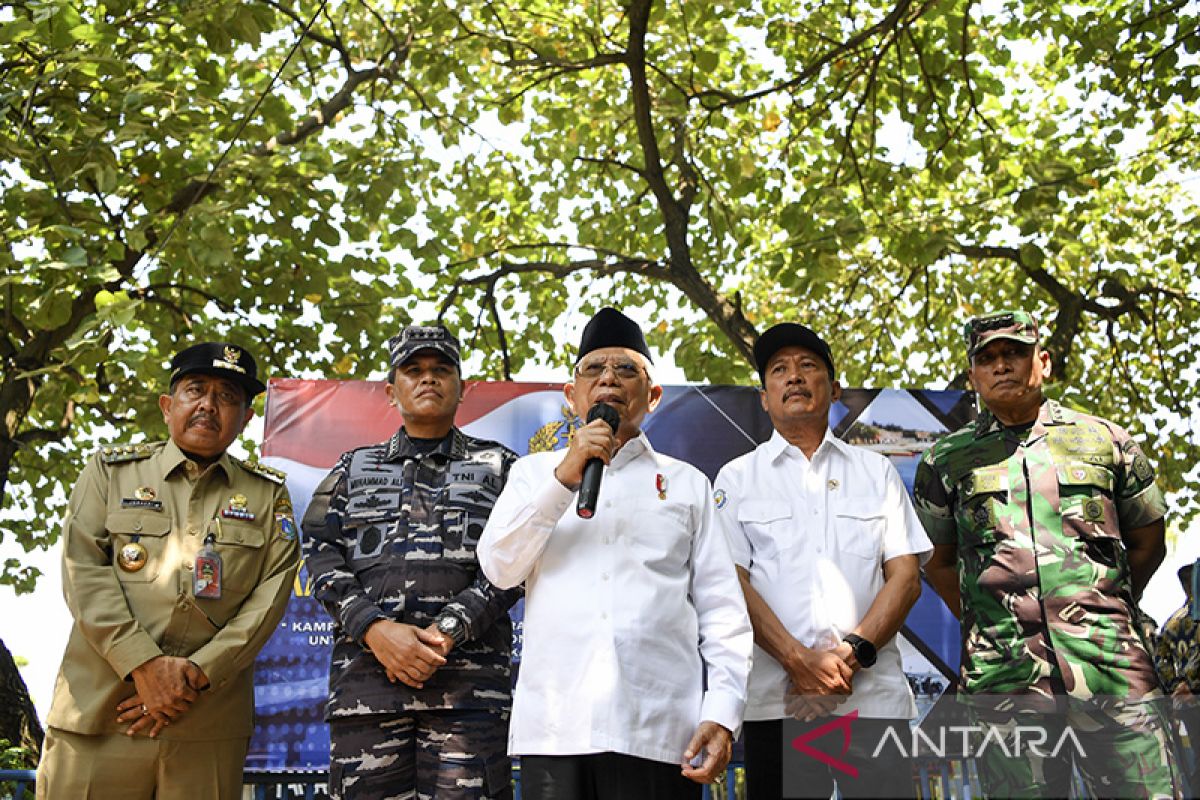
447	624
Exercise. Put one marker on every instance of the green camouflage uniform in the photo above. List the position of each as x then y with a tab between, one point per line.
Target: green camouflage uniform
1047	609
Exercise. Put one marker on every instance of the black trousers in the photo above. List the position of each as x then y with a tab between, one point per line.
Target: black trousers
603	776
888	774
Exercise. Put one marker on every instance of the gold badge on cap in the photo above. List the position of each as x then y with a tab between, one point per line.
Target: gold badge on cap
232	355
132	557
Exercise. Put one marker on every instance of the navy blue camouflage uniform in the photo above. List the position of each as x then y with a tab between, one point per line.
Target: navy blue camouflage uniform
391	534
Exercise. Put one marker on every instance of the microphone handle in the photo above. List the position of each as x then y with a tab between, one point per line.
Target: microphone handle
589	488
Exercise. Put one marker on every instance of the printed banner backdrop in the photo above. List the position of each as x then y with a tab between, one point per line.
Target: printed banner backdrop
310	423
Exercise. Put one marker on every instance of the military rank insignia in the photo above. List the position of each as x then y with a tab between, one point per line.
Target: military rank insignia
237	509
143	497
132	556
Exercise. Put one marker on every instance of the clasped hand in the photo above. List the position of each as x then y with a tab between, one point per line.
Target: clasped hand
166	687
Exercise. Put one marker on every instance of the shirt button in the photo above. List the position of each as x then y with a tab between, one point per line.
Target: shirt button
187	565
193	530
605	540
603	615
604	576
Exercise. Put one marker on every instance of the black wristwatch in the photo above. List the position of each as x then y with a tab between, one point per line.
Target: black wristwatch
864	651
452	625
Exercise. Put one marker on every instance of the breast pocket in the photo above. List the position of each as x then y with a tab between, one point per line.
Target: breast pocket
860	523
660	533
1086	501
468	505
370	536
768	526
139	543
240	546
982	496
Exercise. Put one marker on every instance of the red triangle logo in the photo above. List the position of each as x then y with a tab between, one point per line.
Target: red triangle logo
800	743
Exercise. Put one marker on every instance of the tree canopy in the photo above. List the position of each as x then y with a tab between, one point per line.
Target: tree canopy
305	176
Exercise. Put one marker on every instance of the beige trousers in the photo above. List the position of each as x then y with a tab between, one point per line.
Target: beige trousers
76	766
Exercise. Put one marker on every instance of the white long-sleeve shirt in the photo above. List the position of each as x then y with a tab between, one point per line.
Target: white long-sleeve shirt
624	612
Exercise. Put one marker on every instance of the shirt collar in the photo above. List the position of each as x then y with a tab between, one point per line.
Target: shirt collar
631	450
777	446
1050	413
452	446
172	458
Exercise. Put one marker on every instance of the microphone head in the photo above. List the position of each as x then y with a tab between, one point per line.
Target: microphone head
605	412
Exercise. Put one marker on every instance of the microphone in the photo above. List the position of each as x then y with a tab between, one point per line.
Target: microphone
589	489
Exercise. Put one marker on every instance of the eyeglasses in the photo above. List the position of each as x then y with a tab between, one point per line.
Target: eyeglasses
624	370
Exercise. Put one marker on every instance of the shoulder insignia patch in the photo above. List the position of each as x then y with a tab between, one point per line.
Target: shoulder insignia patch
1141	468
263	471
116	454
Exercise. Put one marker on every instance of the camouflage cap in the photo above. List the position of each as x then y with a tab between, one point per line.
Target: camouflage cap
1020	326
423	337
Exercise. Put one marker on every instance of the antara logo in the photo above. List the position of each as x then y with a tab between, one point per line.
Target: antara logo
800	743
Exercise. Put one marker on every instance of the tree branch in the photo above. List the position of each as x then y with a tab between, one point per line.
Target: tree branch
887	23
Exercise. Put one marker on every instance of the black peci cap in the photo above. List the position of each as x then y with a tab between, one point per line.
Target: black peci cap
611	328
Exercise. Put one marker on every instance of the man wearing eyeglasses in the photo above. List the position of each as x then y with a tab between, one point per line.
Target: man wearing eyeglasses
637	642
1047	524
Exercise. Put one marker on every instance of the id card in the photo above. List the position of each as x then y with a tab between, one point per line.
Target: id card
206	578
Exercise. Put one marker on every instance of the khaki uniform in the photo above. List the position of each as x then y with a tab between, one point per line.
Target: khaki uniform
154	496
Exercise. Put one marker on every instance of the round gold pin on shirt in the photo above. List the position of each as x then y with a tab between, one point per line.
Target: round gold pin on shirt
131	557
144	493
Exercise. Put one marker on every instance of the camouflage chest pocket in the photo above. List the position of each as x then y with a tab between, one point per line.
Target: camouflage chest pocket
370	534
1086	500
139	543
470	493
982	496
